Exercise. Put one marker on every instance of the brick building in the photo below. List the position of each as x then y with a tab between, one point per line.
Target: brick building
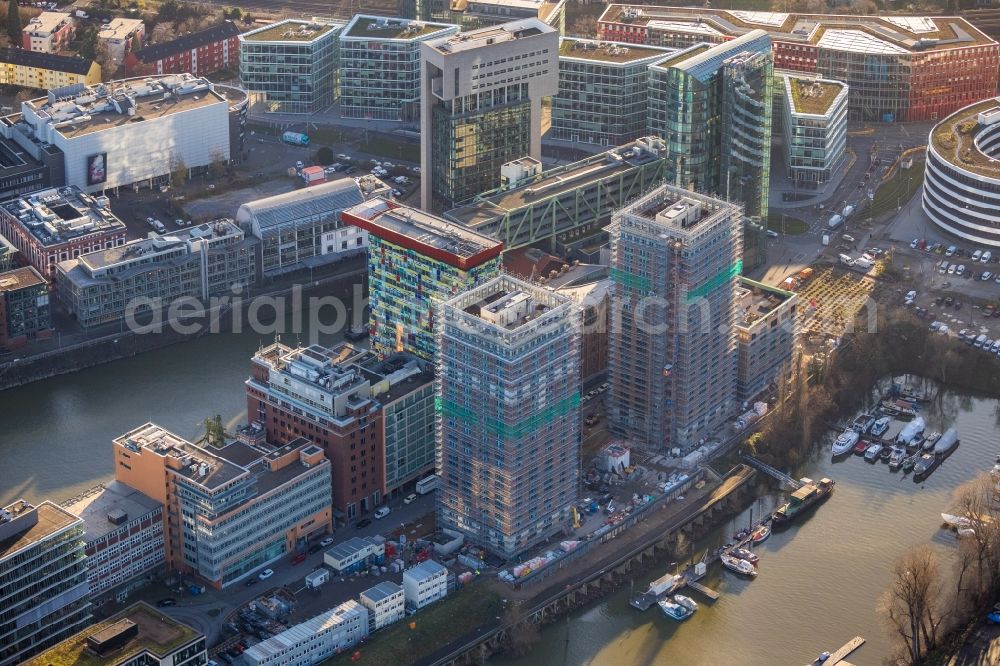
199	53
49	32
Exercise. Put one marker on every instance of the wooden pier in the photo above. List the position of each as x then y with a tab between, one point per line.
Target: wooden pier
707	591
844	651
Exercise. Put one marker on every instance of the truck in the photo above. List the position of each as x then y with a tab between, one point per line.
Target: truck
427	484
295	138
317	578
835	221
847	211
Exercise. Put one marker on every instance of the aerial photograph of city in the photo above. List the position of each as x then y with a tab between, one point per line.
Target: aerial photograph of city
500	333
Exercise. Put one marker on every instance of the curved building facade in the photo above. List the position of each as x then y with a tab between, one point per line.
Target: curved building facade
962	174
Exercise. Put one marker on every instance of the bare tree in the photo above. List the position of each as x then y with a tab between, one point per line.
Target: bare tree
522	633
975	500
912	605
217	167
585	26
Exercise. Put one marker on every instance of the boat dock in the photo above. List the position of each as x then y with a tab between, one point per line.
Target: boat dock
707	591
844	651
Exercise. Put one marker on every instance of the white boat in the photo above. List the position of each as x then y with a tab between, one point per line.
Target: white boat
931	440
880	426
738	566
956	522
947	443
873	452
687	602
674	611
863	423
995	472
911	430
897	457
845	442
966	532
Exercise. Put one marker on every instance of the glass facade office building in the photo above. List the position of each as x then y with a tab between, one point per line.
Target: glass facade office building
290	66
602	91
815	128
380	66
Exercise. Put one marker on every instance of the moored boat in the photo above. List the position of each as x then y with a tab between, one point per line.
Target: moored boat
896	458
911	431
674	610
863	423
873	452
760	534
956	522
861	447
737	565
845	442
930	441
947	443
926	464
880	426
886	454
686	602
745	554
910	462
801	500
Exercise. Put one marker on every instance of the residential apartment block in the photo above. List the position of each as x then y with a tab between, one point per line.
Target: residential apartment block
49	32
303	228
415	261
712	106
767	332
481	106
567	206
119	36
898	68
140	634
58	224
151	273
290	66
198	53
223	518
323	395
380	66
425	583
675	262
386	604
45	71
509	422
602	91
314	640
815	127
124	533
44	569
24	307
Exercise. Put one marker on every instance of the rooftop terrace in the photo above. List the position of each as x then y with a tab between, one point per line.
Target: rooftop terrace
506	305
57	215
26	524
607	52
330	370
812	96
157	634
758	300
186	459
146	247
290	30
380	27
20	278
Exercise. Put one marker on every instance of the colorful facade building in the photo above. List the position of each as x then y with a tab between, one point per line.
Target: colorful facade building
198	53
815	128
481	106
49	32
45	71
675	261
58	224
380	66
602	91
509	422
228	511
44	569
24	307
900	68
416	260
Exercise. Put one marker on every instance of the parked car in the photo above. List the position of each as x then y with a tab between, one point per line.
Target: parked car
166	603
364	522
986	276
412	497
299	559
344	158
986	257
250	582
328	541
993	617
265	574
381	512
950	252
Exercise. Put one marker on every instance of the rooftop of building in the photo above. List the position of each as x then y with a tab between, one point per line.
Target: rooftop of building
271	213
954	138
291	30
812	96
329	370
381	27
674	212
210	35
299	633
145	247
50	61
119	28
25	524
425	570
383	590
506	305
14	159
402	371
683	55
157	633
608	52
347	549
868	34
78	110
241	454
57	215
46	22
543	9
107	507
559	180
531	263
491	36
758	300
20	278
195	463
422	231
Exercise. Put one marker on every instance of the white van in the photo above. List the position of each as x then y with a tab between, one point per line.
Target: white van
381	512
986	256
976	255
950	251
980	341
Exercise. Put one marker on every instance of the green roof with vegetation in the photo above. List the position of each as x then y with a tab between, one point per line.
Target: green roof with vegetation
290	31
158	634
684	55
607	51
392	28
954	139
812	96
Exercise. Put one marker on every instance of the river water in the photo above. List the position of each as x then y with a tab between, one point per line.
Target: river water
820	580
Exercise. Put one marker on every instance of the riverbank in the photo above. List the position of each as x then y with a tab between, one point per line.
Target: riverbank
223	318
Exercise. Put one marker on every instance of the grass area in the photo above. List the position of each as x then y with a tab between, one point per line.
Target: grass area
301	31
813	97
897	191
384	146
792	225
573	48
436	626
